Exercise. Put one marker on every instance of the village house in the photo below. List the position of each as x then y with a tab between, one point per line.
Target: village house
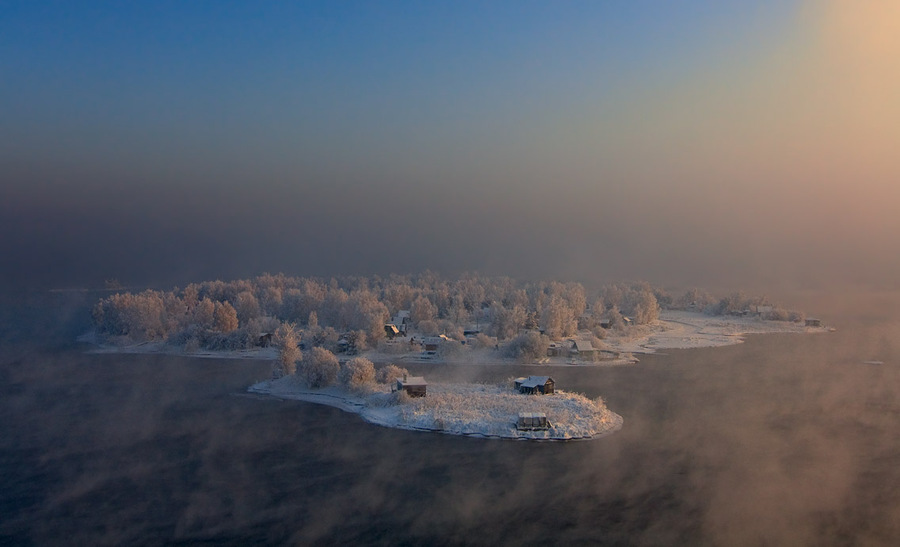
535	385
434	343
583	349
813	322
414	386
401	321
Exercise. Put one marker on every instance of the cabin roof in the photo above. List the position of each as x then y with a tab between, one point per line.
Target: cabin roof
534	381
412	381
583	345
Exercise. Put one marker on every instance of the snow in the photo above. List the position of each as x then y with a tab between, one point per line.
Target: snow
685	330
462	409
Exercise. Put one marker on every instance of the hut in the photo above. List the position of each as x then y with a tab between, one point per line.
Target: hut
534	385
813	322
414	386
529	421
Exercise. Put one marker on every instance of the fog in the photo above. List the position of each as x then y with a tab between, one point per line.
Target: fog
704	145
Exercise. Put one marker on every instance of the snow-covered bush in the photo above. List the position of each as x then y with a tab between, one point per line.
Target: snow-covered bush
357	373
389	374
528	346
319	369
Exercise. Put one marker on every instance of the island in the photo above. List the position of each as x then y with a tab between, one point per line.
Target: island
324	338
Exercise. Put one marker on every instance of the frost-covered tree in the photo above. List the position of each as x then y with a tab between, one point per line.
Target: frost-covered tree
357	373
319	369
389	374
247	307
287	340
558	319
421	310
528	346
225	318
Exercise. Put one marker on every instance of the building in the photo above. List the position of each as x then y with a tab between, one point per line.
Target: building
434	343
813	322
535	385
414	386
529	421
401	321
583	349
391	331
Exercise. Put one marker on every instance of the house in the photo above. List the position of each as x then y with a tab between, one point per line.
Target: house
414	386
554	349
529	421
764	310
534	385
264	339
813	322
433	343
401	321
391	331
583	349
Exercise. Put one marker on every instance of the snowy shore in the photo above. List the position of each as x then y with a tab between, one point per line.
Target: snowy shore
686	330
461	409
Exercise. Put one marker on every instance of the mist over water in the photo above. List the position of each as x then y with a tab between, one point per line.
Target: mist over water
783	440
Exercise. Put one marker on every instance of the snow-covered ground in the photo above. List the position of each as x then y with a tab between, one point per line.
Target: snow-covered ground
461	409
685	330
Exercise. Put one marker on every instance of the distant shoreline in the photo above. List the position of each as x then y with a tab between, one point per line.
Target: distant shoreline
673	330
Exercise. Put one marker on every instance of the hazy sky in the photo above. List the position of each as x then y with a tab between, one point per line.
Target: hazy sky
702	142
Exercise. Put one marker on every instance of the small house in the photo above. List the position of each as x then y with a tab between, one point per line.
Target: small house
813	322
265	339
401	321
529	421
554	350
583	349
433	343
414	386
535	385
391	331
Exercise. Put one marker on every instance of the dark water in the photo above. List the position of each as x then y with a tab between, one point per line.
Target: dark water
784	440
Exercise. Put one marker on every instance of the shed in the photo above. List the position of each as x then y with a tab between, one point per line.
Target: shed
813	322
391	331
265	339
414	386
534	385
529	421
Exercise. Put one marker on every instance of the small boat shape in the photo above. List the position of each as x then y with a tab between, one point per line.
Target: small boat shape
873	362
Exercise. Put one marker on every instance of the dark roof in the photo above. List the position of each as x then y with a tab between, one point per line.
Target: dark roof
412	381
534	381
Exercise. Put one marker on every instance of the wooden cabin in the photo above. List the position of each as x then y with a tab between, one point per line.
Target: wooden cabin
530	421
535	385
414	386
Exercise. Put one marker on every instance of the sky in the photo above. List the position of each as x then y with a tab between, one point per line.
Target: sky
732	144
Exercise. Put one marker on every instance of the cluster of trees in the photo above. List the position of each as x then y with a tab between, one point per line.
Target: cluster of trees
321	368
235	314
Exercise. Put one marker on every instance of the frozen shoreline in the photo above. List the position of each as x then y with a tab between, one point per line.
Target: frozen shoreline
473	410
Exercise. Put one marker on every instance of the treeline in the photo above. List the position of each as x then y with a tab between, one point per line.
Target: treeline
237	314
